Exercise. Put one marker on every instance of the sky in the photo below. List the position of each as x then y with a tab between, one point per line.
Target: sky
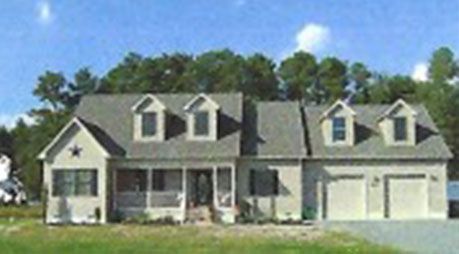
390	36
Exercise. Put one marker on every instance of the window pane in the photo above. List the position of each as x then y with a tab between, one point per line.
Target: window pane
224	179
224	188
58	183
86	183
201	123
68	183
400	130
149	124
158	180
77	182
339	129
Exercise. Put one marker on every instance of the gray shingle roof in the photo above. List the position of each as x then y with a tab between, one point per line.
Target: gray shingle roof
110	120
268	130
275	130
369	143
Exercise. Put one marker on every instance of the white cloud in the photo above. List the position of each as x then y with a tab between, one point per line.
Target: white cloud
45	15
10	121
312	38
420	72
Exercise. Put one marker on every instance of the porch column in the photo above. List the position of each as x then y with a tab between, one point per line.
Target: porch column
215	186
319	196
114	189
184	193
149	187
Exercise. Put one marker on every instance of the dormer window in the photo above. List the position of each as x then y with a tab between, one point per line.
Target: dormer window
339	129
400	129
201	123
398	124
149	116
202	118
337	124
149	124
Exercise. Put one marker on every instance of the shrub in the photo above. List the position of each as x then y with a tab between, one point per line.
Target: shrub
145	219
142	218
309	213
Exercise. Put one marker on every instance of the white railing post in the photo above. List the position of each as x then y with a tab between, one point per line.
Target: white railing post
233	187
184	193
114	196
215	186
149	187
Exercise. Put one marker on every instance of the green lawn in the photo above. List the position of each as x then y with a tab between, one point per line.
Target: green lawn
30	236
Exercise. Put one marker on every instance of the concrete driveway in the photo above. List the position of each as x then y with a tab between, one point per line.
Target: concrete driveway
431	236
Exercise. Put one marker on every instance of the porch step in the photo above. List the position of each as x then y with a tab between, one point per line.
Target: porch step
201	215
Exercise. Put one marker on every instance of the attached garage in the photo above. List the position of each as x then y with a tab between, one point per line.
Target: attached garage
345	198
406	196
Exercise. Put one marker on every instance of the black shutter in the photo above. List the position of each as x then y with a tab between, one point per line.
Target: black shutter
93	182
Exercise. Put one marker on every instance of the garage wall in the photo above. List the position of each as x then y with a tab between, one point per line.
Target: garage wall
316	175
286	205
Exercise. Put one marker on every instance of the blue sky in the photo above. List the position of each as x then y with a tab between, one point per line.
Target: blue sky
389	36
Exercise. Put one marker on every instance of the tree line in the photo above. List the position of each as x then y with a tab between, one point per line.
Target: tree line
301	76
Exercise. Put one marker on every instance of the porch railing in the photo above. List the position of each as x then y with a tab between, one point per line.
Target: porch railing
157	199
166	199
131	199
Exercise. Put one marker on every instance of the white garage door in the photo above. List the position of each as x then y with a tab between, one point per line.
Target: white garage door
407	197
346	198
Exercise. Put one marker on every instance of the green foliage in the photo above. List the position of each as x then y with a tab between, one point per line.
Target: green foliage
314	83
443	67
29	141
260	82
217	71
360	76
388	89
6	142
145	219
309	213
332	79
51	89
299	76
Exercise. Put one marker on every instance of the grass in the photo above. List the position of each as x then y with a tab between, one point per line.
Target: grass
21	212
30	236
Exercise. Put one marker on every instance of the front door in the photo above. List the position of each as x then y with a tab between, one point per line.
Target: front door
203	187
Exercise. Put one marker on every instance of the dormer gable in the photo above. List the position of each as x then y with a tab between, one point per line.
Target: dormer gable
149	115
202	118
337	124
398	124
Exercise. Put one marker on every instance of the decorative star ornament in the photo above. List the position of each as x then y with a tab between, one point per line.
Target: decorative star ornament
75	151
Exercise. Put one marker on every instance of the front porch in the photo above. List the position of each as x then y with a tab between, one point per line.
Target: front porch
177	193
